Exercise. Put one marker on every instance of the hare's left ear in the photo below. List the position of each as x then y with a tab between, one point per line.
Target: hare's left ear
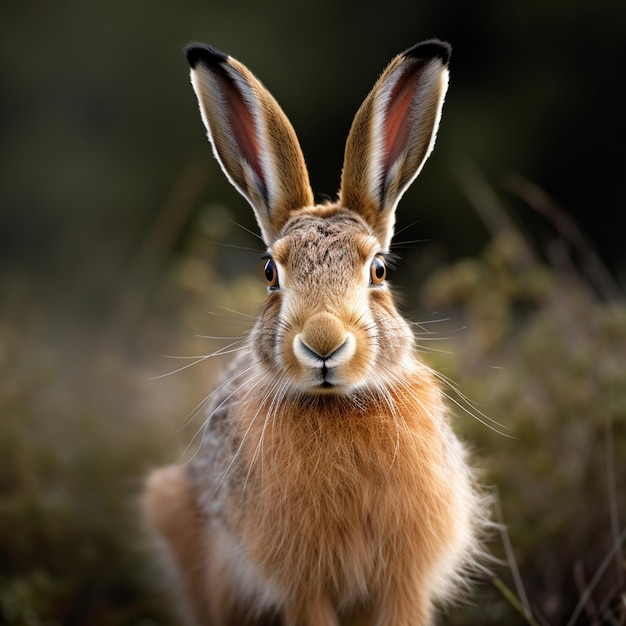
393	133
252	138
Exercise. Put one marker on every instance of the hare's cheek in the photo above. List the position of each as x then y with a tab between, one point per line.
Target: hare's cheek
266	337
288	359
358	373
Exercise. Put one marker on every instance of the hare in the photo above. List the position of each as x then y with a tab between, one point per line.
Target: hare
329	487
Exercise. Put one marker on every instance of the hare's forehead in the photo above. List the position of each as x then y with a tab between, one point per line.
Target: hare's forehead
309	242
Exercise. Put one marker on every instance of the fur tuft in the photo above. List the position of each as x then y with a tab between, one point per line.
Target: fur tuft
201	53
431	49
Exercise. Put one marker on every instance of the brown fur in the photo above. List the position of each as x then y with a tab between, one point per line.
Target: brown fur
329	488
352	500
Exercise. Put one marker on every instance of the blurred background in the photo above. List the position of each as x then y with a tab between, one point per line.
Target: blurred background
124	253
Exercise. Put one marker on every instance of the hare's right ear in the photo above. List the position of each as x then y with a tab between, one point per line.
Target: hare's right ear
393	133
252	138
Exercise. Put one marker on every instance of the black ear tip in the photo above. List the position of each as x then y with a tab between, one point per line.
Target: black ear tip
431	49
201	53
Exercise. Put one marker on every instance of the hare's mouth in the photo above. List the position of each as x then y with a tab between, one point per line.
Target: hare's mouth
322	380
328	379
325	376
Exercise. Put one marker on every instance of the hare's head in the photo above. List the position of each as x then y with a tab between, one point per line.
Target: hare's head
329	324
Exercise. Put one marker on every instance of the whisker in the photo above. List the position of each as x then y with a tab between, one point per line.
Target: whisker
233	246
473	411
410	225
243	439
251	232
432	350
217	338
276	400
480	417
205	424
197	360
180	369
212	394
235	312
459	398
446	434
382	390
409	243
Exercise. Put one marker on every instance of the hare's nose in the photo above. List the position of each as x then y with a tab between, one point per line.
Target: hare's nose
324	342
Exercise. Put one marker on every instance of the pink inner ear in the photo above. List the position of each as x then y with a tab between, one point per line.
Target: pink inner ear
397	120
243	128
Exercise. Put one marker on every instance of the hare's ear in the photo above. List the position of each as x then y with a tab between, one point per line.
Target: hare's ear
393	133
252	138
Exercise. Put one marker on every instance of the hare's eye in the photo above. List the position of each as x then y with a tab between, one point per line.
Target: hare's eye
271	274
378	270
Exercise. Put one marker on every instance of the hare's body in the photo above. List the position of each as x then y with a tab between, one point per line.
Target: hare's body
329	487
